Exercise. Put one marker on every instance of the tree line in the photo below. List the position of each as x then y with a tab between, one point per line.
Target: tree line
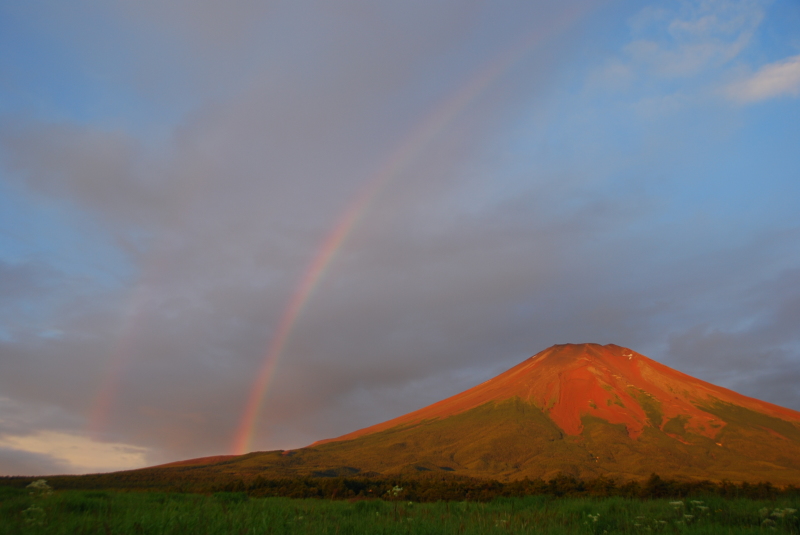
430	488
433	489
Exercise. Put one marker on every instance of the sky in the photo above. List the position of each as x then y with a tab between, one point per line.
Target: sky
249	225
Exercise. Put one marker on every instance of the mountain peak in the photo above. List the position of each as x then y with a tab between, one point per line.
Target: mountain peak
616	384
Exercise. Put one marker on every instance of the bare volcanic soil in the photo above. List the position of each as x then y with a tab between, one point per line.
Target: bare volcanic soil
583	410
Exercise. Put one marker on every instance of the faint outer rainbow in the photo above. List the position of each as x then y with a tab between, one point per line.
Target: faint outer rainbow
103	402
404	154
130	327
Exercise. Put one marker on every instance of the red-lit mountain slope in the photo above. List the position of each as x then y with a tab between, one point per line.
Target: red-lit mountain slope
613	383
584	410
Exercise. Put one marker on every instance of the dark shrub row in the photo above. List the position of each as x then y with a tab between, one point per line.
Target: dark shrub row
427	488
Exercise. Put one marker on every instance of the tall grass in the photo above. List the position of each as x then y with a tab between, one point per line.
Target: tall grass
93	512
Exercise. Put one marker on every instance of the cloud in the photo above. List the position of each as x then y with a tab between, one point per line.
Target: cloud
19	280
14	462
209	24
757	352
677	55
702	35
772	80
514	226
69	453
31	293
98	170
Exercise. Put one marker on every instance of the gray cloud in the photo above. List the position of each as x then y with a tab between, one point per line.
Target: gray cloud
19	280
476	254
23	463
756	351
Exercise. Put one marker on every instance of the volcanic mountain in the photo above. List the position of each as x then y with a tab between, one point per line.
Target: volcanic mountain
584	410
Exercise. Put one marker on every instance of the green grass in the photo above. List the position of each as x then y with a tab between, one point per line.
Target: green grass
93	512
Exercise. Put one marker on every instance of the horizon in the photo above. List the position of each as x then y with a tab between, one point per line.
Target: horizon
230	227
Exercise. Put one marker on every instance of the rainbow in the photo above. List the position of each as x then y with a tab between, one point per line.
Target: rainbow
104	400
400	158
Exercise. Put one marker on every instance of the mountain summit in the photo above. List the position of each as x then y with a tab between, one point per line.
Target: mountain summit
584	410
569	382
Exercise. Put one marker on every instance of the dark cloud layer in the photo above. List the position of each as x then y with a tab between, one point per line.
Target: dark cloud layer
13	461
515	225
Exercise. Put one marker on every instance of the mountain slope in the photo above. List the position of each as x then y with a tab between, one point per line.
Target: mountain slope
580	409
610	382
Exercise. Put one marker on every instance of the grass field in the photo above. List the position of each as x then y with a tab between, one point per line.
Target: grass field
102	512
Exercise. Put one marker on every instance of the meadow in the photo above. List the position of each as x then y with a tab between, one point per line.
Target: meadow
74	512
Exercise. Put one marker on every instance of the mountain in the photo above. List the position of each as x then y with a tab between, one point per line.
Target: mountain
583	410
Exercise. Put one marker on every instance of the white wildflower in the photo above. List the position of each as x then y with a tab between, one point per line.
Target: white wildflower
676	504
34	515
40	488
